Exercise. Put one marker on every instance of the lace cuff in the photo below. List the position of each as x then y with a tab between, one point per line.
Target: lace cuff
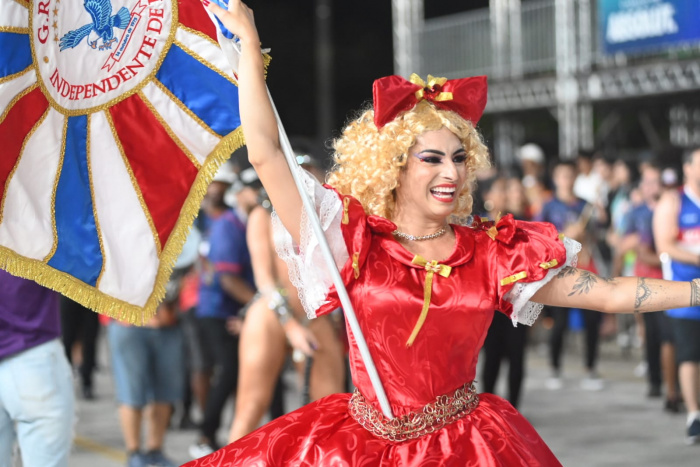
525	311
308	270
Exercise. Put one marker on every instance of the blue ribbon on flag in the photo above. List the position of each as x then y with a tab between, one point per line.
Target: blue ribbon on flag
226	33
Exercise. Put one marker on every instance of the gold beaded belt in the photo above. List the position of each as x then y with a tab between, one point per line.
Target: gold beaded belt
446	409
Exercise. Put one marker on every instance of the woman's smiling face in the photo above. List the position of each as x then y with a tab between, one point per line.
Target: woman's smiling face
434	175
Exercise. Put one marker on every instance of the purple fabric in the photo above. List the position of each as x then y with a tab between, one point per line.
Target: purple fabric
29	315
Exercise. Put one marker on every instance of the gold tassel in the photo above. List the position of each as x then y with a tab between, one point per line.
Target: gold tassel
355	264
431	268
346	217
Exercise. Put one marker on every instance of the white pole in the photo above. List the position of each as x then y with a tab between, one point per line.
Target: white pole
337	280
232	50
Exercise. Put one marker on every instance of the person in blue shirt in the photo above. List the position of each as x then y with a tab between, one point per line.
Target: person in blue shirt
226	286
570	215
658	335
677	234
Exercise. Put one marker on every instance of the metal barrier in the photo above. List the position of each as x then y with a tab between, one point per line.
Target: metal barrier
512	45
538	40
467	43
457	45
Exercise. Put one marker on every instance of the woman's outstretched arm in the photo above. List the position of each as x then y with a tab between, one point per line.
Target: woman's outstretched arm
576	288
258	118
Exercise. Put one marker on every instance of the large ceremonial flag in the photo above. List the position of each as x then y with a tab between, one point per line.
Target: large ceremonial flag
114	117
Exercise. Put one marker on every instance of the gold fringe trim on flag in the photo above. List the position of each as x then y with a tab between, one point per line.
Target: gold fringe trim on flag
190	210
102	303
266	62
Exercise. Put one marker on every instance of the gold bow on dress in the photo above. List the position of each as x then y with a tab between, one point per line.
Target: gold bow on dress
431	267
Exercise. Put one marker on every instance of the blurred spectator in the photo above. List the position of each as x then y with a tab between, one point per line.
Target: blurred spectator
603	252
658	335
81	326
624	176
186	305
669	178
677	233
622	183
275	321
199	361
148	376
516	200
589	184
504	341
226	285
532	162
571	215
36	386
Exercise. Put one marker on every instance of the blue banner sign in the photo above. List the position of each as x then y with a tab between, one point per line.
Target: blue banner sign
642	25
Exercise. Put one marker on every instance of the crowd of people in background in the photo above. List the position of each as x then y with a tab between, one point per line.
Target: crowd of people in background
637	217
232	321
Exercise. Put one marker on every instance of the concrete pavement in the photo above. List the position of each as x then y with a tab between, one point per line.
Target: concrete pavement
618	426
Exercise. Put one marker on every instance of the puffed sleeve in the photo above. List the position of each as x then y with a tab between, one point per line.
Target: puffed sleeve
345	227
528	256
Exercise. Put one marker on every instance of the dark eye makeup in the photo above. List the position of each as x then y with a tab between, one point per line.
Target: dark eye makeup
432	156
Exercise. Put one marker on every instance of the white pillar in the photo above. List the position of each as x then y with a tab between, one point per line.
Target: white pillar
407	18
567	87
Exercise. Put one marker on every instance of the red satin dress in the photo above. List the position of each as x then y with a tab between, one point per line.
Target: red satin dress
386	287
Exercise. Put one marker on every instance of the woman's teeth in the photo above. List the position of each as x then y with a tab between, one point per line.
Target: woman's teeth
444	193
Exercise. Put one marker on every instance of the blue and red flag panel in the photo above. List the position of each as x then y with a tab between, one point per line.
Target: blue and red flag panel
114	117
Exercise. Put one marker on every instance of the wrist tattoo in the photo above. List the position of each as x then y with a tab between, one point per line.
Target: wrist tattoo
642	293
695	292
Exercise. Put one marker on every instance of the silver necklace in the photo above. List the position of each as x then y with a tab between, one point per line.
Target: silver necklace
418	238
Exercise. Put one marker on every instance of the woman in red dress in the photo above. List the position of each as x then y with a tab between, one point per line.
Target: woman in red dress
424	290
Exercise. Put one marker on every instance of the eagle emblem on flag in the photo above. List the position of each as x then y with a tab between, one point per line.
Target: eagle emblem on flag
114	117
101	27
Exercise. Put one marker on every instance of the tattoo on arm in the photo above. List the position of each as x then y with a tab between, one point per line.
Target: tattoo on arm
585	281
642	294
695	292
566	271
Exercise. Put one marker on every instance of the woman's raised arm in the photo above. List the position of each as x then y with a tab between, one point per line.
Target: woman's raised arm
258	118
576	288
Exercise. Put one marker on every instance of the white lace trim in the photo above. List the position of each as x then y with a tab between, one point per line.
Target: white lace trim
308	270
525	311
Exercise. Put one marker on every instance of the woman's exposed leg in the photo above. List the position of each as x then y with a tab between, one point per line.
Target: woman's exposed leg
328	370
262	352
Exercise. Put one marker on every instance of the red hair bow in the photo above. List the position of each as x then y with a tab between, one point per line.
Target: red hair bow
394	94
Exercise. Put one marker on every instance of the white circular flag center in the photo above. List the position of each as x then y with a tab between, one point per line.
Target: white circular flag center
92	53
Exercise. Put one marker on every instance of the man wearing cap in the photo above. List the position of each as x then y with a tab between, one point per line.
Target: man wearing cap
532	162
226	285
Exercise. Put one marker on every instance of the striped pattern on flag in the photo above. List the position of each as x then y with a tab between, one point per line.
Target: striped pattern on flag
97	204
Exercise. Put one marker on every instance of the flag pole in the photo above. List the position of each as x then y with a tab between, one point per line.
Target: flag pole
232	51
328	256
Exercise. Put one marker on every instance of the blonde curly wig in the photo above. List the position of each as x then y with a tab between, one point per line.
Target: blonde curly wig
368	161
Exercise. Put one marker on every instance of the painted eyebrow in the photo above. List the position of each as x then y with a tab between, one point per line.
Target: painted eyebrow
440	153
